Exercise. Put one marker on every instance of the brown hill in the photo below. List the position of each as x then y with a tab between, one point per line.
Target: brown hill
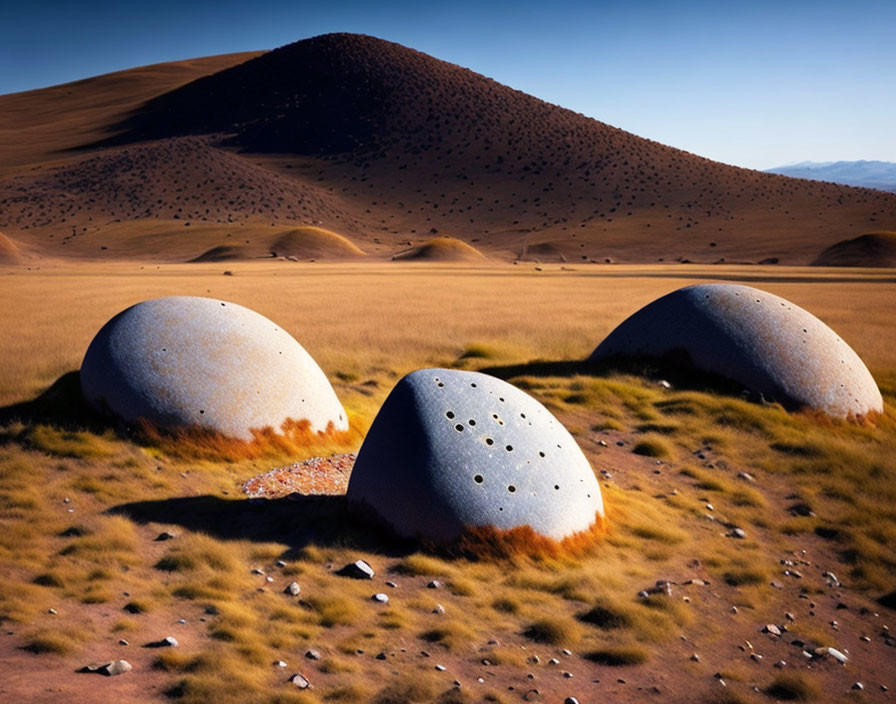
314	243
222	253
9	252
876	249
379	142
441	249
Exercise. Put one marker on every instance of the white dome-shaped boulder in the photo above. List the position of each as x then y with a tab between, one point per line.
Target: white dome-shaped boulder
184	362
451	450
760	340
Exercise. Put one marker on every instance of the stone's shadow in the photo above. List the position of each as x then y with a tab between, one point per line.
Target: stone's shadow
297	520
61	405
675	367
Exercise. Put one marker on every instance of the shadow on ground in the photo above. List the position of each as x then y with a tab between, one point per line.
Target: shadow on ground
61	405
675	368
297	520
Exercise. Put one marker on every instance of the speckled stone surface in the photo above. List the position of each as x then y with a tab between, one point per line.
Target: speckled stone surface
451	449
765	342
186	361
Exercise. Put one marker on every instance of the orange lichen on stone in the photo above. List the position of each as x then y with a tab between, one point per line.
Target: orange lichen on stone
490	543
295	438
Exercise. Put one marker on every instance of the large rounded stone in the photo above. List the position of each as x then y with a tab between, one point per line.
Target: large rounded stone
452	449
760	340
198	362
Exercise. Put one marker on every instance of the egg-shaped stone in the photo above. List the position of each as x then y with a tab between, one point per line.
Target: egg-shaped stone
453	449
765	342
185	361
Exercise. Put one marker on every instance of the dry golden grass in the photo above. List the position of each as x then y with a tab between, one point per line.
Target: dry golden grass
84	561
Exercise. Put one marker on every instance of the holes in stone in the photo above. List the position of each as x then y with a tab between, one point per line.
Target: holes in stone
473	385
509	448
522	415
478	479
201	411
440	385
500	508
556	487
449	415
164	349
511	488
223	304
541	454
459	428
501	399
489	441
471	422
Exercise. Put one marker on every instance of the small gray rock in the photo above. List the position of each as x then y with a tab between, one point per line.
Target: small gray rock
380	598
165	535
441	668
570	700
439	609
169	642
312	654
109	669
738	533
300	681
292	589
771	628
838	656
434	584
357	570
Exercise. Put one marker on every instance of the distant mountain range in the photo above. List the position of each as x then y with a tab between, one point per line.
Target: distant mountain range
868	174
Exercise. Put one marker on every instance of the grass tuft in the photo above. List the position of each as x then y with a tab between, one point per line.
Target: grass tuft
793	688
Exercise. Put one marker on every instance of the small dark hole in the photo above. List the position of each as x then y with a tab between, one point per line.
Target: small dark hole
473	385
509	448
201	411
500	399
441	384
478	479
459	428
449	415
489	441
557	487
522	415
541	454
511	488
471	422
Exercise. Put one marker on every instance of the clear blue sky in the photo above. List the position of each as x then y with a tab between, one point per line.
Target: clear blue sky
756	84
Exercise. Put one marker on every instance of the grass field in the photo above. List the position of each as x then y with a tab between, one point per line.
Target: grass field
81	504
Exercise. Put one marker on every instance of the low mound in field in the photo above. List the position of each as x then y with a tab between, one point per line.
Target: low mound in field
441	249
315	243
223	253
9	252
874	249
